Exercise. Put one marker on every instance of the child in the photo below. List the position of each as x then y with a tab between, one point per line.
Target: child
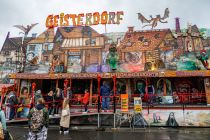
65	117
85	100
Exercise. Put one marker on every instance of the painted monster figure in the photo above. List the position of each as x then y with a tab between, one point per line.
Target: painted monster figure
203	56
112	58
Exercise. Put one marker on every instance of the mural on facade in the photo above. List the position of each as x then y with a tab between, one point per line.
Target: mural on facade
39	53
82	49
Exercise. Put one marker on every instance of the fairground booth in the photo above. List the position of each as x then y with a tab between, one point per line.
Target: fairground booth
168	70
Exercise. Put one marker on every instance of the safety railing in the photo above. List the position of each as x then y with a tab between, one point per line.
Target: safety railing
176	98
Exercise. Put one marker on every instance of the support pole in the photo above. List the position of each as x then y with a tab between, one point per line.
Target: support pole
98	120
114	98
91	92
65	87
99	103
33	92
147	96
164	87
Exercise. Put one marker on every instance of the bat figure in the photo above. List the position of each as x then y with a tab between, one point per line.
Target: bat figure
154	21
25	29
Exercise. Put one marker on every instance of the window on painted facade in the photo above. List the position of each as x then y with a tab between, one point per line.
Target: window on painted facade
9	60
7	53
32	47
46	58
90	42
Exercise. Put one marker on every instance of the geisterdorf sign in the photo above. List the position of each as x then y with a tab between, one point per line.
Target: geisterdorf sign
82	19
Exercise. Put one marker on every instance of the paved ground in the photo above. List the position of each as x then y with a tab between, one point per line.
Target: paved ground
18	133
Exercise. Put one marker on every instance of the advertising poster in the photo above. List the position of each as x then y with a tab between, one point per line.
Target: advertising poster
124	102
137	105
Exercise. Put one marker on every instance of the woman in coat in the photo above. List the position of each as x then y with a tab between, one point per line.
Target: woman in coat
65	117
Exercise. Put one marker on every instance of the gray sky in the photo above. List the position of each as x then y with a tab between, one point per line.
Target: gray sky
23	12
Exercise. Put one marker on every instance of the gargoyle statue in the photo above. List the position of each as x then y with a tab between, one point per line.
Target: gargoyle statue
25	29
154	21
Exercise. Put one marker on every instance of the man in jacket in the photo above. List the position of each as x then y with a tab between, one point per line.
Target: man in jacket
105	93
12	100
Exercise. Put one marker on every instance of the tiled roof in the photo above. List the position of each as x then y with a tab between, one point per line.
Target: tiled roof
146	40
77	32
45	37
14	43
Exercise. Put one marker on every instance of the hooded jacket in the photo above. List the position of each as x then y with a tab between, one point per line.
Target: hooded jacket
45	115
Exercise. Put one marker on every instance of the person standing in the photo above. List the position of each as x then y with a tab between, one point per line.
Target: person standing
37	95
50	102
65	117
85	100
12	101
105	93
25	102
38	120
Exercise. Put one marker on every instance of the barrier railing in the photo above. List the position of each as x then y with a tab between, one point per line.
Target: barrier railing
98	102
177	98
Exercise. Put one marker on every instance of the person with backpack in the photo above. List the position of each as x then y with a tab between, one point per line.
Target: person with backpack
65	117
38	120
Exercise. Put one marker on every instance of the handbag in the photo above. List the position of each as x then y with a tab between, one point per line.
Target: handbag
65	112
1	132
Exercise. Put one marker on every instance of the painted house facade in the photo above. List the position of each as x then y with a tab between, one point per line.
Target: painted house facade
79	49
39	52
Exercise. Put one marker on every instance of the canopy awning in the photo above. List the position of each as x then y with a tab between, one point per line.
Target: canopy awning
143	74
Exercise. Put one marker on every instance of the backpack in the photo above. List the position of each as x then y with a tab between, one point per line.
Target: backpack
37	120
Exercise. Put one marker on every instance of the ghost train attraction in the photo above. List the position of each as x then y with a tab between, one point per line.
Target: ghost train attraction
156	77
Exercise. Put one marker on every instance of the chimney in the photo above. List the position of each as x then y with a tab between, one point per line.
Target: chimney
34	35
178	30
130	29
8	34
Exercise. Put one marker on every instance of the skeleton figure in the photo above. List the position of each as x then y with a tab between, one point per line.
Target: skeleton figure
26	29
154	21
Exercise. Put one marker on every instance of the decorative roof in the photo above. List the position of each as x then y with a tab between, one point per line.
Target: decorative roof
45	37
146	40
14	43
77	32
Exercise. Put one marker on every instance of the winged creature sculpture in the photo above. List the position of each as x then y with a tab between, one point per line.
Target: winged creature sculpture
25	29
154	21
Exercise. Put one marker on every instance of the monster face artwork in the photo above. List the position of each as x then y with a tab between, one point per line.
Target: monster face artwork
140	87
112	58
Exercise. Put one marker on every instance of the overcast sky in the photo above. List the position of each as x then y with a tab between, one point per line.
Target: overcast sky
23	12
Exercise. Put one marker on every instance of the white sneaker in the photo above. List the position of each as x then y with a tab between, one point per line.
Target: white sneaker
66	132
60	132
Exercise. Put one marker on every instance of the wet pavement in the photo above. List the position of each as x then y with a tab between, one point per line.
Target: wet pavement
19	133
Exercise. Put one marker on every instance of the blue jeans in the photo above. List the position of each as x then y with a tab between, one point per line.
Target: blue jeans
105	103
12	113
